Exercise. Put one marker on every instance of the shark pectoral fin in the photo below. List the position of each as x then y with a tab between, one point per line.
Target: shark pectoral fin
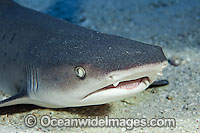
159	83
19	98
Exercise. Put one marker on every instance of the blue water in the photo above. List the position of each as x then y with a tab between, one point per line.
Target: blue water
137	19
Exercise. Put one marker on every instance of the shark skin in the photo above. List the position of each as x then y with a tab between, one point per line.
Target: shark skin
52	63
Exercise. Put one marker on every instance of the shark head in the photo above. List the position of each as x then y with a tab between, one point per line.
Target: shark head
53	63
104	70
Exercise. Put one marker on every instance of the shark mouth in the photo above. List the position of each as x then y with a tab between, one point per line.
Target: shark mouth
128	85
123	85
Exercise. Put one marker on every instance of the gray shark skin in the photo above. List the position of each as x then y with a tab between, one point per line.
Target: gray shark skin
39	55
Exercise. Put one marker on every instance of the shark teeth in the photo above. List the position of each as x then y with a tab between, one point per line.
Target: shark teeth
160	74
116	84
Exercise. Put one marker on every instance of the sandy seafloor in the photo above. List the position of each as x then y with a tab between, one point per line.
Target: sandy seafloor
172	24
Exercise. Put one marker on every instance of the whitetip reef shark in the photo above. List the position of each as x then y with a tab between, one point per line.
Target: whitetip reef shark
52	63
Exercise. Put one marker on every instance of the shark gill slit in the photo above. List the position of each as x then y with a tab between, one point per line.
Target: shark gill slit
28	78
35	80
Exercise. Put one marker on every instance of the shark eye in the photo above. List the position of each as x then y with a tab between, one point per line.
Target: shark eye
80	72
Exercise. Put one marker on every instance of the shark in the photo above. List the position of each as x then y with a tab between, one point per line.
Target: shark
53	63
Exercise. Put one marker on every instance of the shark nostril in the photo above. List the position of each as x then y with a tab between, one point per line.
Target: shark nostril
110	77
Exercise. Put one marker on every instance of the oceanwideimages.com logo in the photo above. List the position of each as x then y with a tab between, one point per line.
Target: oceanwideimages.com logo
128	123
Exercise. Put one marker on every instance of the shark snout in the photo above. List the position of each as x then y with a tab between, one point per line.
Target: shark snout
123	54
